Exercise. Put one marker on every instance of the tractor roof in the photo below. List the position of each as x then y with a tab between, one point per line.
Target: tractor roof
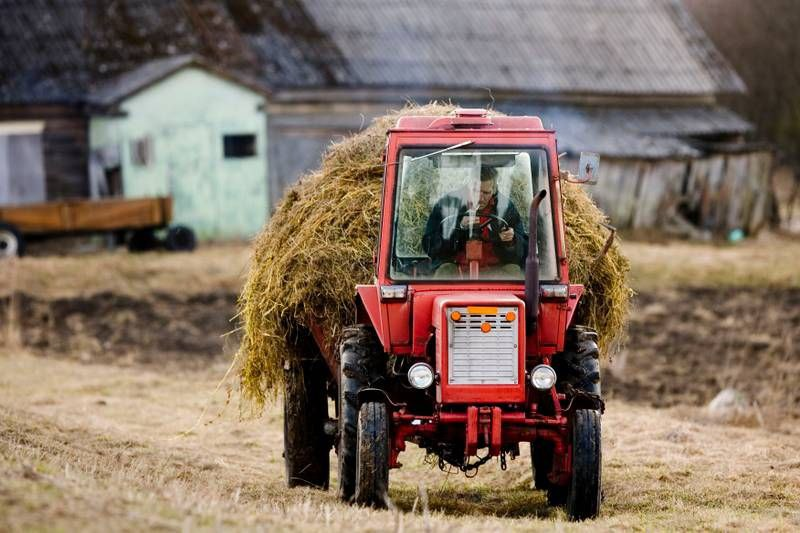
468	119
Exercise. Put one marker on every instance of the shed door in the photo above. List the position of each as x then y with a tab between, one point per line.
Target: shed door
191	179
21	163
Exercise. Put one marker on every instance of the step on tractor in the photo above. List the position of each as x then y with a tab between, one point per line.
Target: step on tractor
465	343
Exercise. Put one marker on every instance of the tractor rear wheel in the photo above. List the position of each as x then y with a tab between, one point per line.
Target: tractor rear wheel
305	410
372	466
583	498
360	365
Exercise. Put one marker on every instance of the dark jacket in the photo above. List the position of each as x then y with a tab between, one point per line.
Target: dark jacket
445	243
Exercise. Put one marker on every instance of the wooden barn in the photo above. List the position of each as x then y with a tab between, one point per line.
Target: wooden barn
635	80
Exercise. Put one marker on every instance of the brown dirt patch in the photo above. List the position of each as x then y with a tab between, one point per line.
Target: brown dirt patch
688	344
115	328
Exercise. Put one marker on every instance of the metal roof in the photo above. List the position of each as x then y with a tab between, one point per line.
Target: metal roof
542	46
116	89
646	132
58	51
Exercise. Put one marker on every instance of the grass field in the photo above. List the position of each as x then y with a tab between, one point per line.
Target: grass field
102	431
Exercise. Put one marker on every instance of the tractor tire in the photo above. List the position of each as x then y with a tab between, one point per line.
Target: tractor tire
372	466
360	365
541	463
180	239
12	243
305	410
578	367
583	499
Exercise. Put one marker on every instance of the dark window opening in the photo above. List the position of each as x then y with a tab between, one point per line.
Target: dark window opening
142	152
239	145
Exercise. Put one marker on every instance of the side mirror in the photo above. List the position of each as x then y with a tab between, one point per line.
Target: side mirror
588	168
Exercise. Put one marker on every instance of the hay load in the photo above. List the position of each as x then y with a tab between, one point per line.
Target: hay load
319	243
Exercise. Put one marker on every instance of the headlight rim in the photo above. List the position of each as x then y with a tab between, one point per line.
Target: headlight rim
549	370
421	365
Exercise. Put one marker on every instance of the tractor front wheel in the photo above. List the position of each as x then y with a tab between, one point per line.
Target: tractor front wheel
372	466
360	361
583	497
305	410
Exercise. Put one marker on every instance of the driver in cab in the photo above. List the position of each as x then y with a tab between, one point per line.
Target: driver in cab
476	212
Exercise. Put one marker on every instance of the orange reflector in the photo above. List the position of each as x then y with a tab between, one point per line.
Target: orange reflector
511	316
486	327
455	316
477	310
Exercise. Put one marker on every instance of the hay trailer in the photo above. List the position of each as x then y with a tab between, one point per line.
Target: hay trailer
465	343
133	221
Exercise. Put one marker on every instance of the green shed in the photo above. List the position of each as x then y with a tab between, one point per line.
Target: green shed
180	127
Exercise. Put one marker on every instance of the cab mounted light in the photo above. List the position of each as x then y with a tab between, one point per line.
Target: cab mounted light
394	292
558	292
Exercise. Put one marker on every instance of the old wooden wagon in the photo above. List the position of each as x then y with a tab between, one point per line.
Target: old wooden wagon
133	221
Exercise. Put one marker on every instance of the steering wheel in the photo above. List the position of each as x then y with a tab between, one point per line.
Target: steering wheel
475	231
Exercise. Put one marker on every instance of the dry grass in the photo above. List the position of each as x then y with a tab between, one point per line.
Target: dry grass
96	448
769	260
210	267
319	244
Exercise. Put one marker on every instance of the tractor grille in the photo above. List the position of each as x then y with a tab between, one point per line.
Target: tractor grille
483	358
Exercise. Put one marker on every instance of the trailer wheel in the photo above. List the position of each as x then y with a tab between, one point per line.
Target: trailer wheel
359	366
12	243
583	500
142	240
305	410
541	463
372	467
180	239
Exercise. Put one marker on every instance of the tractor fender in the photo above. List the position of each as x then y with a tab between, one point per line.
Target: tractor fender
369	312
372	394
575	293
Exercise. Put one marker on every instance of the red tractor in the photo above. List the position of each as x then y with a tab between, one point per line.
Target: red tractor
465	343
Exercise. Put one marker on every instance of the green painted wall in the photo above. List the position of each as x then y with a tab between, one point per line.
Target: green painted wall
185	116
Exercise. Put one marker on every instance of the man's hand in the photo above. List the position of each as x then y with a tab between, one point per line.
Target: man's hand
507	235
467	220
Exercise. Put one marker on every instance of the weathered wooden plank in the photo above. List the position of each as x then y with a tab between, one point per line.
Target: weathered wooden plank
736	176
659	194
759	168
615	191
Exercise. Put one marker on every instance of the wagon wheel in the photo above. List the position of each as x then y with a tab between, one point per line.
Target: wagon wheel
12	243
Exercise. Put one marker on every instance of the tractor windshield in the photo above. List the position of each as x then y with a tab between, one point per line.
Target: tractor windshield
462	214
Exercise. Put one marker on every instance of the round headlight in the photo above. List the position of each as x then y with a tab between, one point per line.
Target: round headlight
420	375
543	377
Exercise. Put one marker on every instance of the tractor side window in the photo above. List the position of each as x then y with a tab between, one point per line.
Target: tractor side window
463	214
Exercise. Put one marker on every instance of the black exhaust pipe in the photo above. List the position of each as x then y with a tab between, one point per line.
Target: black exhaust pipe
532	264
